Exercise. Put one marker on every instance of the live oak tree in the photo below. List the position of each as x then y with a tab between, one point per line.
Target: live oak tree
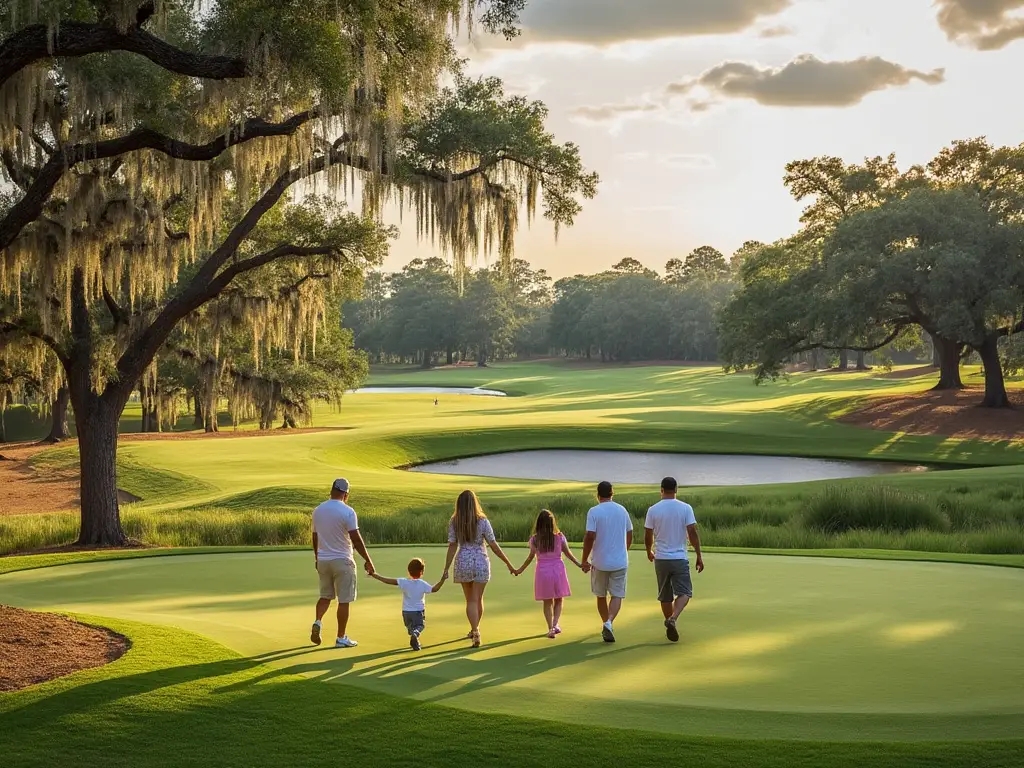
938	248
703	262
147	143
941	259
487	315
423	317
749	248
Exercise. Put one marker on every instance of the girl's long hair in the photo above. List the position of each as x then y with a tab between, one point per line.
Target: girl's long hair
545	531
468	515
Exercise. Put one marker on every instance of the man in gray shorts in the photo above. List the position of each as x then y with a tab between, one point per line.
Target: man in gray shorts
669	524
609	537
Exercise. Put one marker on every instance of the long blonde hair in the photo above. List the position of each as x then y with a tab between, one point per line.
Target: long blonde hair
468	515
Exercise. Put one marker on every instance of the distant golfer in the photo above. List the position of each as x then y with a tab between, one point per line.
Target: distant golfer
609	537
335	534
668	525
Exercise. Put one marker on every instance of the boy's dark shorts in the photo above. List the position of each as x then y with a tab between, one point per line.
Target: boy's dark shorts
415	621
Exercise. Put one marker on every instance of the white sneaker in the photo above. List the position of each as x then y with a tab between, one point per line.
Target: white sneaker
345	642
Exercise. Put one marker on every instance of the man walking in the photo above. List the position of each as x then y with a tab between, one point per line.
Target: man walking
668	525
335	534
609	537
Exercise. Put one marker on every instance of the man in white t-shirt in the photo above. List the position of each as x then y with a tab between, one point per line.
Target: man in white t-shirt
669	524
609	537
335	535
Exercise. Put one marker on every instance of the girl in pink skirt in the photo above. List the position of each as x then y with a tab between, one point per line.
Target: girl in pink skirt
551	583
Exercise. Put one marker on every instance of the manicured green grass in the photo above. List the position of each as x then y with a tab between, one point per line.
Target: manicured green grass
259	490
177	699
800	648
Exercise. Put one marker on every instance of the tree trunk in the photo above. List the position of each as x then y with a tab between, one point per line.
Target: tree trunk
3	423
450	356
59	413
814	359
948	352
861	363
935	350
844	359
427	356
197	404
995	386
481	358
97	446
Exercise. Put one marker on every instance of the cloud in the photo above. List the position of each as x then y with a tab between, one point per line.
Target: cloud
806	81
601	22
983	24
613	115
776	31
688	162
679	161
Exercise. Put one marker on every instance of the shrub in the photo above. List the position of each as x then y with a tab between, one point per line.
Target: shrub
880	508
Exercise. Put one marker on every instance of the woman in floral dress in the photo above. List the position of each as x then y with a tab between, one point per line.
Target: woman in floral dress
469	535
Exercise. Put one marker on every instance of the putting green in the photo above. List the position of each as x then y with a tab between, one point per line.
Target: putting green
773	647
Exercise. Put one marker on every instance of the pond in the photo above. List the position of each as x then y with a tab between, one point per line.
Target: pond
649	468
435	391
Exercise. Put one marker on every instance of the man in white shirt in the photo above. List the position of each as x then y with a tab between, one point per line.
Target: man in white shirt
609	537
669	524
335	535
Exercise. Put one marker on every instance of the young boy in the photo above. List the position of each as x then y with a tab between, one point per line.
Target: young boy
414	590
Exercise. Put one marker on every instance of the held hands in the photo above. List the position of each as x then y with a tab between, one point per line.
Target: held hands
368	565
585	566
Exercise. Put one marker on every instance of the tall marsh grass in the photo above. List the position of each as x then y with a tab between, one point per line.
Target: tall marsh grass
980	521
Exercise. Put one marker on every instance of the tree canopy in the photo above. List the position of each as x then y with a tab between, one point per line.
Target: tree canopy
161	159
883	253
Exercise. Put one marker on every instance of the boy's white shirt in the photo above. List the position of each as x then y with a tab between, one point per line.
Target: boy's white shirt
413	593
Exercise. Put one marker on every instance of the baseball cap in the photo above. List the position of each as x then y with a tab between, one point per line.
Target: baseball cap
341	485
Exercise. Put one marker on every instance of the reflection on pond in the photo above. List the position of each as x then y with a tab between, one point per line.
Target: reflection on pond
648	468
427	391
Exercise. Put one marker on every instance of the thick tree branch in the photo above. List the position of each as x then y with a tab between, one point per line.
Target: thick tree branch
29	207
71	39
212	278
19	173
8	328
119	316
901	325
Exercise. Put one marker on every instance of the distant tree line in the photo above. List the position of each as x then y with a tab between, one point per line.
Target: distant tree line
429	314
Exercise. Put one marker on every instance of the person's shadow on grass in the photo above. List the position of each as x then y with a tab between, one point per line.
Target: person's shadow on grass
470	670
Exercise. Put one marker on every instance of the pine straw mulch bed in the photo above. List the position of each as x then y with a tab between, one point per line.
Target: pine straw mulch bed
36	647
24	491
944	413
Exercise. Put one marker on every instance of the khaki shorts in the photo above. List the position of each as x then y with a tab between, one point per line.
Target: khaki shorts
337	580
604	583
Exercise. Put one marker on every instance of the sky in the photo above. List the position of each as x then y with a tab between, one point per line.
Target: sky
690	109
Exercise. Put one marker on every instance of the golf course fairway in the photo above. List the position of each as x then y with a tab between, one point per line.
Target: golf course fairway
785	647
